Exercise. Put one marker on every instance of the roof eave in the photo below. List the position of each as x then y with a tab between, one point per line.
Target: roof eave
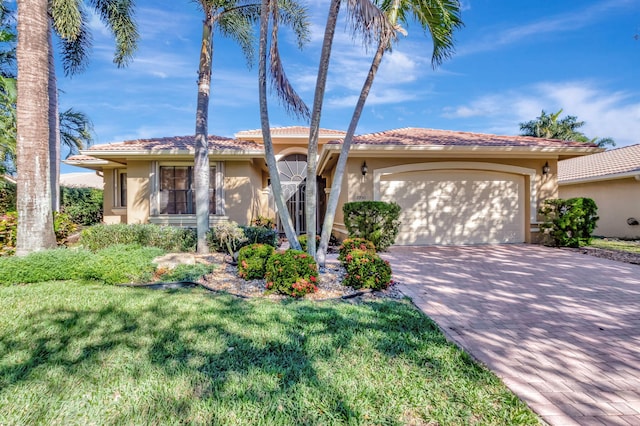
631	174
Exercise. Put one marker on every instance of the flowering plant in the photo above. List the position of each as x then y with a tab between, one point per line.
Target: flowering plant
365	269
252	260
293	273
352	244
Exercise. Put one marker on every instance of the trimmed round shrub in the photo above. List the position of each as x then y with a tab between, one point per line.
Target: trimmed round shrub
352	244
365	269
252	261
302	239
376	221
293	273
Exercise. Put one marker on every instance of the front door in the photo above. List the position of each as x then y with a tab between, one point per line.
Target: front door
293	173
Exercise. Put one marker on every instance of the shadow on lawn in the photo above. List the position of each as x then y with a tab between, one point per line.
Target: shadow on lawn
218	351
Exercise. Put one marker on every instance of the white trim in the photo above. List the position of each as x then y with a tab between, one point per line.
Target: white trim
462	165
184	220
220	200
291	150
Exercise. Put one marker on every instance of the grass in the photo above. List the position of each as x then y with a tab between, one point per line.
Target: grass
85	353
619	245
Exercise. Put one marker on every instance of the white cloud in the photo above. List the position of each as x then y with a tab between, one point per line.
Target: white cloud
606	114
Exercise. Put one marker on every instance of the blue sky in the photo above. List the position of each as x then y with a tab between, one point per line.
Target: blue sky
513	59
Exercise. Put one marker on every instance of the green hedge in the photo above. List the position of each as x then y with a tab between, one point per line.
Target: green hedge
83	205
375	221
112	265
569	223
168	238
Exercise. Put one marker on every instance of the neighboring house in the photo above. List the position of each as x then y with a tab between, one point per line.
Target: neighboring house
82	180
612	180
453	187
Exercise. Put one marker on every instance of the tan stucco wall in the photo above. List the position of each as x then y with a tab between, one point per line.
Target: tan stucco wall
355	187
243	191
138	191
112	214
617	200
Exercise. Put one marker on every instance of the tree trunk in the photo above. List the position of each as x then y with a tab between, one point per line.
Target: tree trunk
54	130
35	220
312	157
338	175
276	186
201	160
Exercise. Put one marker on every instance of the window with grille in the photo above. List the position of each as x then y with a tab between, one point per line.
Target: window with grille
177	190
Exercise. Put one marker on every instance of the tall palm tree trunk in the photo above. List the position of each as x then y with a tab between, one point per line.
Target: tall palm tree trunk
316	112
35	220
201	160
276	186
338	175
54	130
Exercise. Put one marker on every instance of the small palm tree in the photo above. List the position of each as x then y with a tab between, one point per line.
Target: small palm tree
233	18
440	18
551	126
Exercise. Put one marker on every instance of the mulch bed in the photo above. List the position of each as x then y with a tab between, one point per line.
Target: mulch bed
620	256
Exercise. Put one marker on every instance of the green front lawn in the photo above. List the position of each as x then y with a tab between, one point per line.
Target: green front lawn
86	353
619	245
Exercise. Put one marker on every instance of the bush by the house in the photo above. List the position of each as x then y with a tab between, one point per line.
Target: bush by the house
352	244
63	226
7	196
302	239
8	233
375	221
227	237
121	264
168	238
293	272
264	222
83	205
569	223
260	235
252	261
365	269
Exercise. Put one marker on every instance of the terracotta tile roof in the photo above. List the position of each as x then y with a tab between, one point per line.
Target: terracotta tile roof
216	143
425	137
287	131
608	163
80	157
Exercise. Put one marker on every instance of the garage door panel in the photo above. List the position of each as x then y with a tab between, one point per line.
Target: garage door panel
457	207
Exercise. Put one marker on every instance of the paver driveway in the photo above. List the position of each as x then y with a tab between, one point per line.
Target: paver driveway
561	329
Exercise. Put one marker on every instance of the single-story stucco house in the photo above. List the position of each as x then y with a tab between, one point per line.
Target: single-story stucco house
612	180
453	187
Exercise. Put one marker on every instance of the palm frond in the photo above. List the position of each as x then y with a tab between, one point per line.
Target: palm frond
279	81
369	21
440	18
75	52
118	16
295	16
75	130
66	17
237	24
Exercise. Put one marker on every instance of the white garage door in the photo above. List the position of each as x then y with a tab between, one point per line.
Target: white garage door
457	206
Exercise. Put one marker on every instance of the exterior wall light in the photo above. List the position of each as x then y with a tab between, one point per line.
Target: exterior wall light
546	168
364	168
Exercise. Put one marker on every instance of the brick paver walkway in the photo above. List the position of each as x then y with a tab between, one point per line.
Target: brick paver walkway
560	328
